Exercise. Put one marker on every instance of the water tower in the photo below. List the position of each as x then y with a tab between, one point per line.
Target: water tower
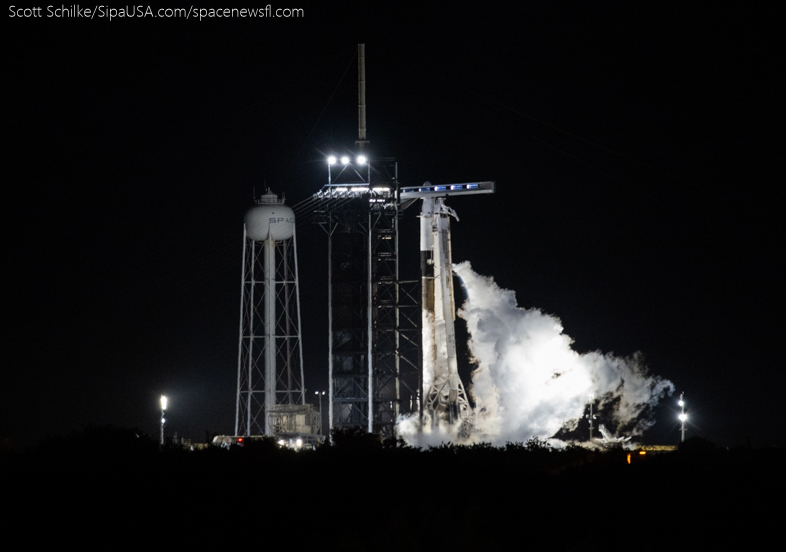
270	394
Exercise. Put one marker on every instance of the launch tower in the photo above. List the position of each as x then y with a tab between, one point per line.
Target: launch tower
373	330
373	359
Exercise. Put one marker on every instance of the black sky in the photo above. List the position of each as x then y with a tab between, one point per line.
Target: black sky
637	153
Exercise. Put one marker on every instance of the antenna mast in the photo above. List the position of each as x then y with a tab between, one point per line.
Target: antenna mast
361	141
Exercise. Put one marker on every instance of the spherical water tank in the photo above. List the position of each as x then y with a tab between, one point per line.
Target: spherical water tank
270	219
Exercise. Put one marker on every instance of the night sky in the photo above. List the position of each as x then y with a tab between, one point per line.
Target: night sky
638	155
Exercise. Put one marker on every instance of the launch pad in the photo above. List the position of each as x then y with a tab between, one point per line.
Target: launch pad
392	346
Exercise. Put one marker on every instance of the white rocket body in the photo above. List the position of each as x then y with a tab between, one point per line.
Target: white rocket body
443	390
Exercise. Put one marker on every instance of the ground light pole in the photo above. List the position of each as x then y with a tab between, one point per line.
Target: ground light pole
163	419
683	417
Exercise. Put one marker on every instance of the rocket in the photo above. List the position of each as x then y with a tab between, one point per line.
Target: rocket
445	397
443	390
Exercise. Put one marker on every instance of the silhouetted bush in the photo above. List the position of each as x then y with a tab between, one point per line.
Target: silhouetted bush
697	446
355	440
115	477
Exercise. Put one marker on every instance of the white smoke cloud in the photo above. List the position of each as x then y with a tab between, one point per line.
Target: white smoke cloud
529	382
431	435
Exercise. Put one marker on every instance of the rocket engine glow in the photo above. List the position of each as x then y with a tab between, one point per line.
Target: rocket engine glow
529	382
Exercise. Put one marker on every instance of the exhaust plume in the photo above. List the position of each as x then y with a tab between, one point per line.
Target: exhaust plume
529	382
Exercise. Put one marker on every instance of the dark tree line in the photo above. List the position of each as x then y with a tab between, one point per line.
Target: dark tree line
372	494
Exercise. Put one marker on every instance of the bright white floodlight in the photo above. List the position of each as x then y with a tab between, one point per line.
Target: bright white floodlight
361	159
682	417
345	160
331	160
163	420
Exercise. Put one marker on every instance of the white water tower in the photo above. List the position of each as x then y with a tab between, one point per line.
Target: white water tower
270	395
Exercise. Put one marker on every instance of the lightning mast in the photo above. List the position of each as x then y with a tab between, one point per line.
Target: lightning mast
361	142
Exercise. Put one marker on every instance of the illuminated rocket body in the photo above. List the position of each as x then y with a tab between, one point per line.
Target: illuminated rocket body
445	398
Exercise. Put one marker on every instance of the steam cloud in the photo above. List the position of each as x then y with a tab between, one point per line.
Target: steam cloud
529	382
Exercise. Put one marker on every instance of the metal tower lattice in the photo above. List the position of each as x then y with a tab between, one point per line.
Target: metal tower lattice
374	333
270	394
